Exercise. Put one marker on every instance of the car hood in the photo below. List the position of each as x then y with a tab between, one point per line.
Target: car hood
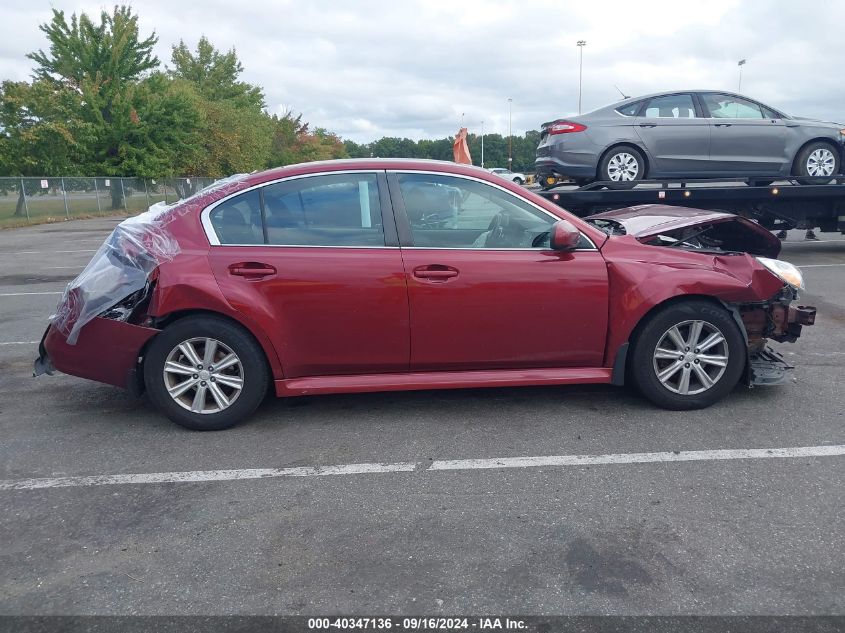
650	220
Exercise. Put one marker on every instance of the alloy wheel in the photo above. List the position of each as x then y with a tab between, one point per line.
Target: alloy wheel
821	162
623	167
691	357
203	375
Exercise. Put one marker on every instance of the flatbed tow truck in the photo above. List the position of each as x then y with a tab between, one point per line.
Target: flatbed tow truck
783	204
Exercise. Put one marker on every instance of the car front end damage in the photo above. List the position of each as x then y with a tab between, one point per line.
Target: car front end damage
777	320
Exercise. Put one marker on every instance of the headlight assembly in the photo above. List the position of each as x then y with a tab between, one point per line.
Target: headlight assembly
785	271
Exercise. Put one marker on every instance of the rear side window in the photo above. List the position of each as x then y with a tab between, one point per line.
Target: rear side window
671	107
238	220
629	110
332	210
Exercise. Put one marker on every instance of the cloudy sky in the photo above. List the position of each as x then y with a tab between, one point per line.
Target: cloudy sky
371	68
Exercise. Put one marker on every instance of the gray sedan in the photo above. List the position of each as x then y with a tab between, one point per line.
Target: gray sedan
687	134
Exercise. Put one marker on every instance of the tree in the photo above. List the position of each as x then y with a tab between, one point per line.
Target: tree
235	132
42	134
215	74
139	122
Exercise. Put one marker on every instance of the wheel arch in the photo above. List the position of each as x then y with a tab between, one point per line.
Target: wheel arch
270	356
837	150
642	151
620	363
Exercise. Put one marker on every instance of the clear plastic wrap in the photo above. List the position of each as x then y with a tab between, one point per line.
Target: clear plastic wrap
122	266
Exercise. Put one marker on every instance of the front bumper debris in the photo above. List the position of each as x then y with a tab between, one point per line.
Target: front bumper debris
768	368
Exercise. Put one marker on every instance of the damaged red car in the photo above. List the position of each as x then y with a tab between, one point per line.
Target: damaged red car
388	275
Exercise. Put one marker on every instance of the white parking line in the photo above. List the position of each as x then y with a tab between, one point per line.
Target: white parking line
819	265
23	294
20	343
437	465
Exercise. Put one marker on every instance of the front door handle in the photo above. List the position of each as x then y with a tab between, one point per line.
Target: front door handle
435	272
252	270
723	124
648	124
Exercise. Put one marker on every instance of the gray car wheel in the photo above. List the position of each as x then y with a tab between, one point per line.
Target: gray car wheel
622	164
817	160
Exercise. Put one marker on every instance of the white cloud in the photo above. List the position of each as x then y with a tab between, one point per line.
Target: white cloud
371	68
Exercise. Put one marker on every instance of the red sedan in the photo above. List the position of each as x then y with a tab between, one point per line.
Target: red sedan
377	275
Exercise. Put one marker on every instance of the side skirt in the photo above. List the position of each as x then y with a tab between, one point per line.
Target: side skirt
414	381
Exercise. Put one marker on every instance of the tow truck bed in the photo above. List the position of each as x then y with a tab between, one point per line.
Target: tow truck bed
784	204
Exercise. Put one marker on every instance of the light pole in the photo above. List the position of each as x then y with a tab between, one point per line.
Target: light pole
581	44
482	143
510	134
740	63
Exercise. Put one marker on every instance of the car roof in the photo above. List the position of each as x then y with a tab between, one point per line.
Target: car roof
675	92
346	164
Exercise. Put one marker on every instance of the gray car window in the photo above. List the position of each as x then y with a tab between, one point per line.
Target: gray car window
671	107
629	110
730	107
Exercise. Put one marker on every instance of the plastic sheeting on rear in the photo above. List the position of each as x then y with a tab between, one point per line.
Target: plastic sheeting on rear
122	266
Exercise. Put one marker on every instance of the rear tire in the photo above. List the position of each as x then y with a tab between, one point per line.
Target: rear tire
518	181
668	370
817	161
622	164
217	397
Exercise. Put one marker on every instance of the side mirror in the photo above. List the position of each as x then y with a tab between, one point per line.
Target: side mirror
564	236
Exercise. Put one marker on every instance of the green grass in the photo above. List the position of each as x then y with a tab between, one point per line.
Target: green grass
43	209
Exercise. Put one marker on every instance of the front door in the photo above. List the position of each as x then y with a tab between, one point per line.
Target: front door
485	290
321	273
746	139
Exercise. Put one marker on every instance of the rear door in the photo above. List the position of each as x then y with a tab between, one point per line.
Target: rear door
322	273
485	290
746	137
676	136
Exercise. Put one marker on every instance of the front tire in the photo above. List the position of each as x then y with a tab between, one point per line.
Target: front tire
205	373
622	164
688	355
518	181
817	160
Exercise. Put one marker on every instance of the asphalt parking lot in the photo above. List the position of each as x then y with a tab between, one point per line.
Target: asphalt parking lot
744	533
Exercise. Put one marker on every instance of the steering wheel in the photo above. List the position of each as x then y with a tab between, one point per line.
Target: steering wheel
503	231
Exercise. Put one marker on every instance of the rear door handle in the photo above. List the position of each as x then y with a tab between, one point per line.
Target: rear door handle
648	124
723	124
252	270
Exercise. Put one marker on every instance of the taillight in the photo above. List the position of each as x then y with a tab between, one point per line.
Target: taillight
565	127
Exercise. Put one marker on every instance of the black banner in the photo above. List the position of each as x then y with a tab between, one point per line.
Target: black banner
402	624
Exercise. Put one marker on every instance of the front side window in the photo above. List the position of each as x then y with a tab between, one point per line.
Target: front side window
238	219
449	212
331	210
728	107
671	107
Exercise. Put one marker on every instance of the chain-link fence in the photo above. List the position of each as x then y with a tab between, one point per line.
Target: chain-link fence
34	200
